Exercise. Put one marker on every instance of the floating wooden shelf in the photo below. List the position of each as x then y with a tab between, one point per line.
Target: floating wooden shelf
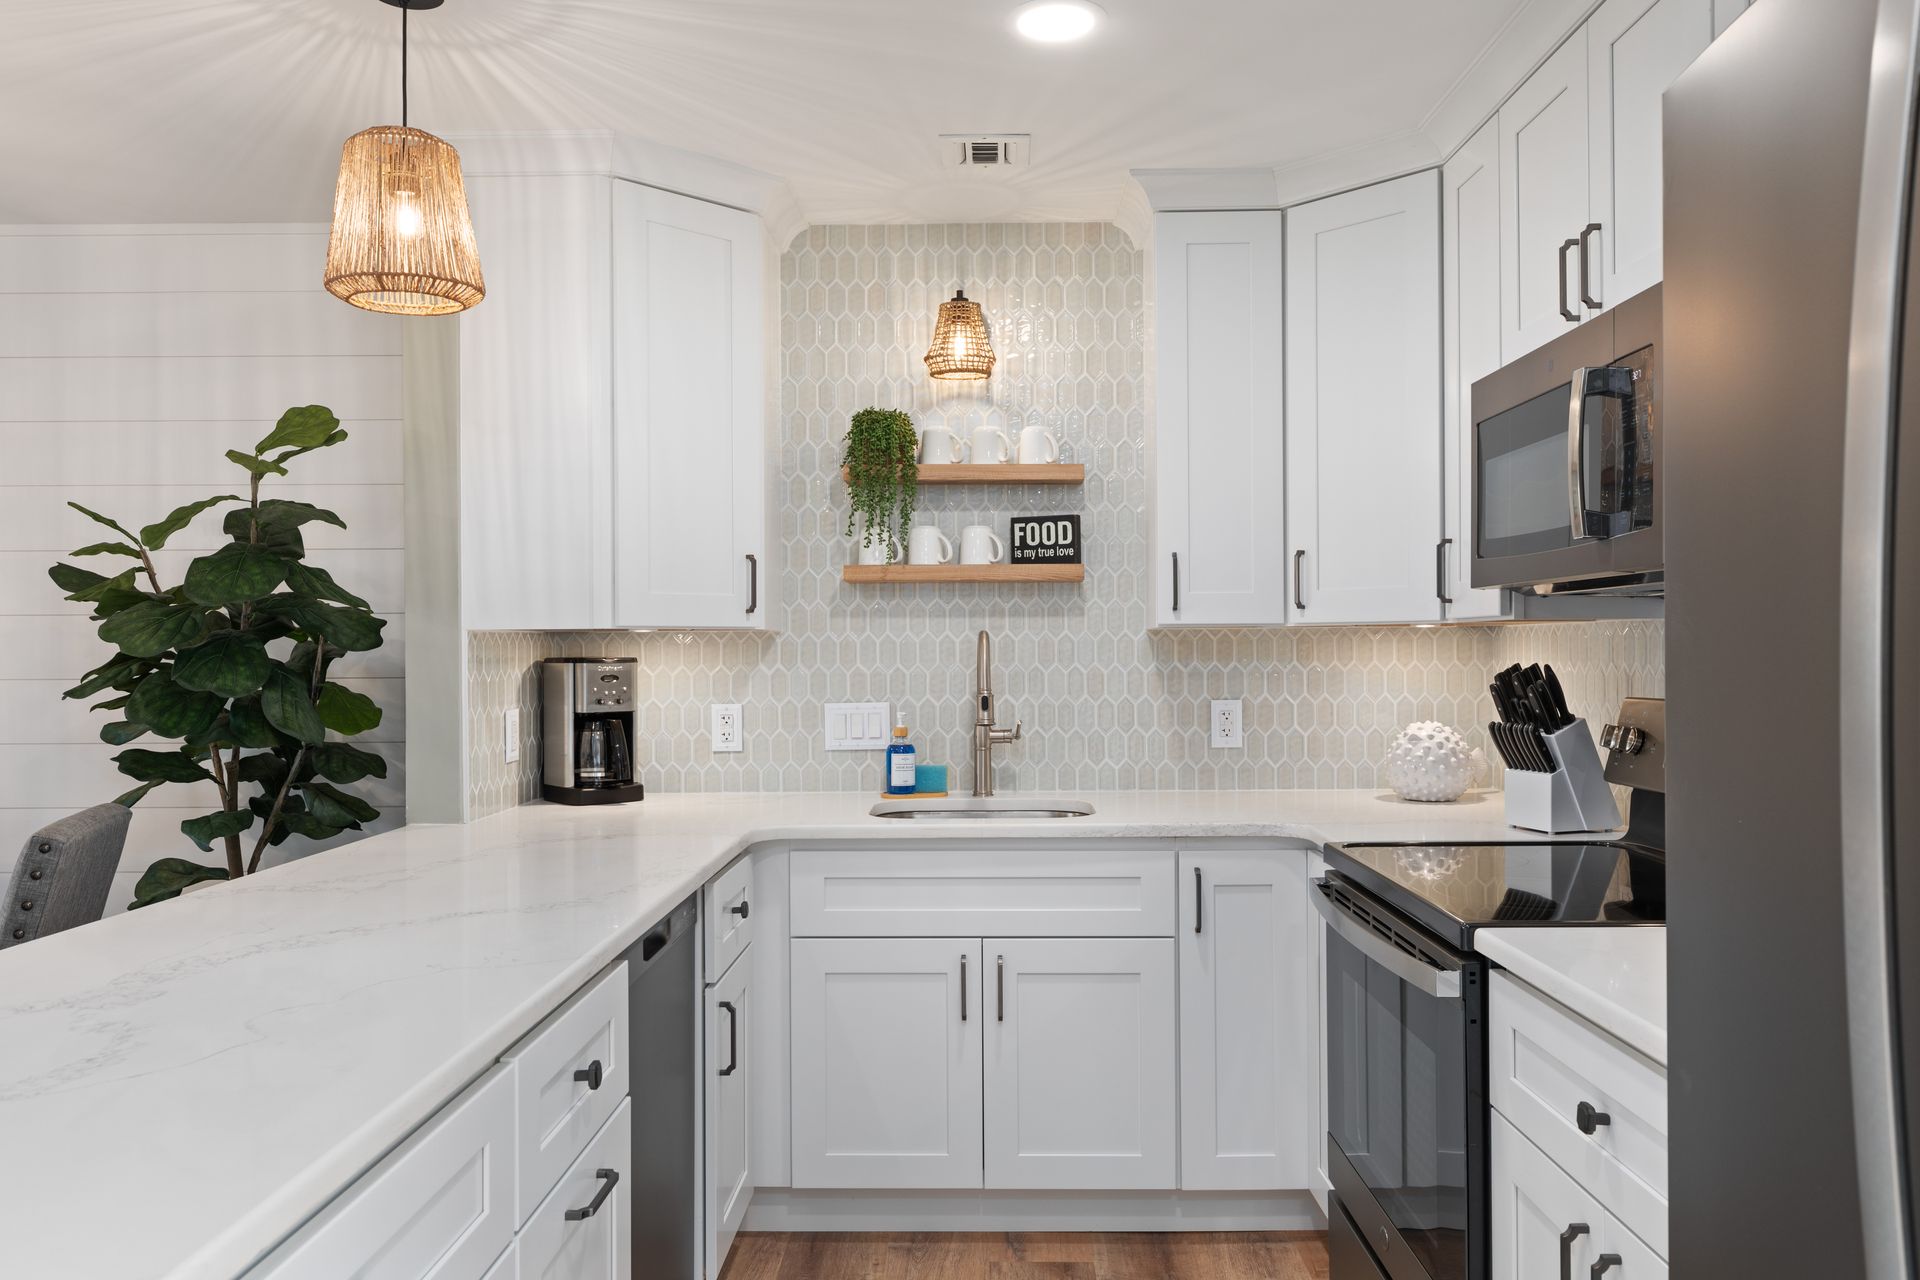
1000	473
916	573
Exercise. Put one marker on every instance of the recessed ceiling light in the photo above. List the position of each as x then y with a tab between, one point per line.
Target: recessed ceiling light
1057	21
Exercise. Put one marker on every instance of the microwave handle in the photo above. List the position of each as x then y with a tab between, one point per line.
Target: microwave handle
1443	984
1612	383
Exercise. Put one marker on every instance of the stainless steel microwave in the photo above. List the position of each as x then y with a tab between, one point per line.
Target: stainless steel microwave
1566	461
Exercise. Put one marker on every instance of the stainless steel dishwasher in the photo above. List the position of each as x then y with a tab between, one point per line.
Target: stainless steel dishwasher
663	1036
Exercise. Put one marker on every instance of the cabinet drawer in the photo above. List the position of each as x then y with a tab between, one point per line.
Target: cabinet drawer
729	916
997	891
556	1066
599	1185
438	1207
1540	1216
1545	1062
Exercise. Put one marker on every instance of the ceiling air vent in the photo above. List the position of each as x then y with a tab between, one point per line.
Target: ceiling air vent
986	150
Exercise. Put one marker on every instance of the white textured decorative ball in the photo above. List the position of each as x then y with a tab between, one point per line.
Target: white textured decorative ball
1430	762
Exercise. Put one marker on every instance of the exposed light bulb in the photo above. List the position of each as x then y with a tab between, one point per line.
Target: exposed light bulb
1057	21
408	221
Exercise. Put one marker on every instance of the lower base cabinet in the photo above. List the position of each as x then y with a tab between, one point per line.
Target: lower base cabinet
728	1185
508	1267
1545	1224
583	1229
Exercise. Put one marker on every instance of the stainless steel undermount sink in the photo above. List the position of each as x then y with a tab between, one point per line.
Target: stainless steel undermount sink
1015	808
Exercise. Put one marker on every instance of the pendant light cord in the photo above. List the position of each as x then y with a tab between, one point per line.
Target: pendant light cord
403	66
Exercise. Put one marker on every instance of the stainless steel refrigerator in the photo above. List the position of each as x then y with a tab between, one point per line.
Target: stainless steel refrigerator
1793	643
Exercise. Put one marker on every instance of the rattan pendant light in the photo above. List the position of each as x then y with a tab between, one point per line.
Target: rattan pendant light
960	348
402	242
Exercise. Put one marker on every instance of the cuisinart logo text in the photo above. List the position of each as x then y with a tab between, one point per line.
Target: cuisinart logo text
1045	540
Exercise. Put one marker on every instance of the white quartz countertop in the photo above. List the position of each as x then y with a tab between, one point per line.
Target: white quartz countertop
181	1087
1614	978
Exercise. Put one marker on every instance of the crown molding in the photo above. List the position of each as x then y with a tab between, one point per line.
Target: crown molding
603	153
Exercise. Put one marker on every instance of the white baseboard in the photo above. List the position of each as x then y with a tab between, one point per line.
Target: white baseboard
785	1209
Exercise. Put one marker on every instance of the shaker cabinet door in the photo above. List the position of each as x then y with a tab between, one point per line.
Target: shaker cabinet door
1543	201
729	1187
688	463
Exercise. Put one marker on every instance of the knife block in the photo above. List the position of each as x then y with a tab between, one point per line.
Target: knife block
1574	797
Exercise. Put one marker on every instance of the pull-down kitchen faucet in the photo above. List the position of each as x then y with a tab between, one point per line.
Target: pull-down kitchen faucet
985	733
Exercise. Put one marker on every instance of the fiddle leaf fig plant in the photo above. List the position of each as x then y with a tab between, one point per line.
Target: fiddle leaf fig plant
882	476
222	680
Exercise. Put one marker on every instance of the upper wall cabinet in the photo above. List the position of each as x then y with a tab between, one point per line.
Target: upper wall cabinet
1363	404
689	512
1579	162
612	406
1219	542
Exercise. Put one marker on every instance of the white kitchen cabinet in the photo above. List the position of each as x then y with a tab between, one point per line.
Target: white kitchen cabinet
507	1267
1363	404
1635	50
1470	350
886	1062
1545	1224
689	451
729	1181
1249	1057
1322	1181
1724	12
583	1230
1543	200
1218	553
1079	1063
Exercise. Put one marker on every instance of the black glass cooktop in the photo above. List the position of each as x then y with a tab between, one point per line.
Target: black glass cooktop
1454	889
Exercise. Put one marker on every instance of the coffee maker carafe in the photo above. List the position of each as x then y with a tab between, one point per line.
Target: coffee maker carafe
587	730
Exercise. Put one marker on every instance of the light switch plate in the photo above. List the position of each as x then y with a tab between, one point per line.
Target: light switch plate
1226	729
510	736
857	726
728	732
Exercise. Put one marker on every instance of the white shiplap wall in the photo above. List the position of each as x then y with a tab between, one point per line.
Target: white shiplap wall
131	359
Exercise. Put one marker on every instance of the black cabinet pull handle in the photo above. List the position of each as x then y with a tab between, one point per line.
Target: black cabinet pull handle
1000	989
1566	312
1588	1119
609	1179
1176	582
1298	603
1605	1263
753	583
963	986
733	1038
1198	889
590	1074
740	910
1440	571
1573	1232
1586	292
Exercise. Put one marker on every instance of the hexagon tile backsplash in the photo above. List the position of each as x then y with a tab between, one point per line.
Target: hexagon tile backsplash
1106	704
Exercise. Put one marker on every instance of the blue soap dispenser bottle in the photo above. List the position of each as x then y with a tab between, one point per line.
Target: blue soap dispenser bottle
901	761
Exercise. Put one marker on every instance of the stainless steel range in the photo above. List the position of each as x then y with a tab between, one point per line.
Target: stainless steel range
1407	1110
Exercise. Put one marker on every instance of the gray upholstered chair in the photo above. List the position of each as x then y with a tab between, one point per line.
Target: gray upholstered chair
64	874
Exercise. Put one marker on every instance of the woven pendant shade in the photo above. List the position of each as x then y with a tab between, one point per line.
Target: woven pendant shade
960	348
402	242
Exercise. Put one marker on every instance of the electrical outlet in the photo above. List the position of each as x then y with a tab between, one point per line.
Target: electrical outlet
510	735
1226	725
727	730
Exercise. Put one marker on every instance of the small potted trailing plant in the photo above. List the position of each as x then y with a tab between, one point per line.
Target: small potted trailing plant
882	476
226	673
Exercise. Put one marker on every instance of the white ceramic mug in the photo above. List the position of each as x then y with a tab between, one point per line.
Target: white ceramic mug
940	446
874	548
990	444
1038	445
927	545
981	545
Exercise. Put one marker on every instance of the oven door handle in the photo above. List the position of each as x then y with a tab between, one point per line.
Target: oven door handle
1443	984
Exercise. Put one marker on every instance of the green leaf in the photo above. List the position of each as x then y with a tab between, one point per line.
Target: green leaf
214	734
109	675
71	578
111	704
103	588
128	799
150	628
169	710
333	439
247	726
255	466
208	827
234	574
338	808
167	877
338	762
299	823
97	518
264	767
349	630
346	712
304	426
311	580
287	707
161	766
108	549
121	732
282	513
155	535
281	539
112	599
232	664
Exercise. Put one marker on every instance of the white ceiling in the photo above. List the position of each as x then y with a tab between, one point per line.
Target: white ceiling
233	110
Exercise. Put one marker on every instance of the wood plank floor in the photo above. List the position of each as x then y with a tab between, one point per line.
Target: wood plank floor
1263	1255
